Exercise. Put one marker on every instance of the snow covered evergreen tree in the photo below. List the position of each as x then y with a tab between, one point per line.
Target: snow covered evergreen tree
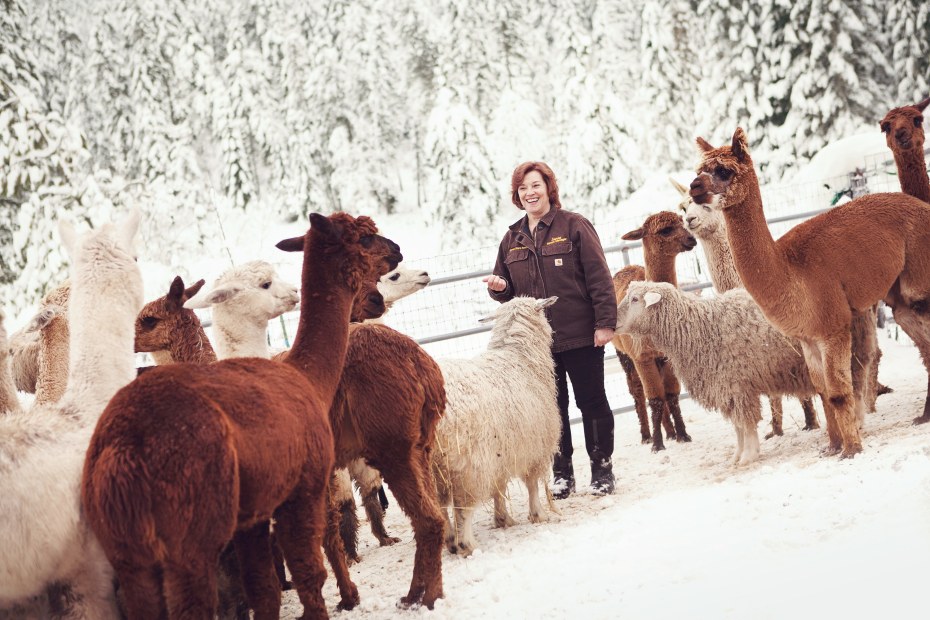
907	25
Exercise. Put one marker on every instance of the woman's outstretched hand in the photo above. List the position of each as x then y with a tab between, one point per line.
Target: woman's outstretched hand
495	283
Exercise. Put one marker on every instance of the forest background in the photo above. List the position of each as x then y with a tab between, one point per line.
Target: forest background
198	111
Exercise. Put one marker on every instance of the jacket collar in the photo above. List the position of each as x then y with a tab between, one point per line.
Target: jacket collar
522	223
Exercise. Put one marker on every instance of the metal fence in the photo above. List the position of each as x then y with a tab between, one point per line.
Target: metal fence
443	317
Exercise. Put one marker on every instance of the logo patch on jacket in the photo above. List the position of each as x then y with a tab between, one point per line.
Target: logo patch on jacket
558	262
519	247
556	240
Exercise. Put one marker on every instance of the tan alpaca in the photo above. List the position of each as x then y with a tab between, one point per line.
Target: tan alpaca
810	282
646	368
904	133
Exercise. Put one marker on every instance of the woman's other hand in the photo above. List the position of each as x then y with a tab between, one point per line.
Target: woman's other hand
498	284
602	336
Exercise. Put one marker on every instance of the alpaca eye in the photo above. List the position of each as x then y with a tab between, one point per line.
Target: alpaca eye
395	277
666	231
723	173
706	208
918	120
886	127
149	322
367	241
266	285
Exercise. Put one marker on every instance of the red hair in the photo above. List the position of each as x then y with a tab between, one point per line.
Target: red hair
520	172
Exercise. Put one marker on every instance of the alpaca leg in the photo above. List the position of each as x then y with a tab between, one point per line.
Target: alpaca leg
775	405
464	532
336	555
810	414
256	565
837	357
92	589
816	370
190	587
449	529
502	516
917	326
655	393
739	439
635	386
864	352
369	485
657	407
415	491
341	489
531	481
750	414
672	389
141	592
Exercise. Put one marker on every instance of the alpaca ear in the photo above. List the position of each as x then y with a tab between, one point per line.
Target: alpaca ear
194	288
634	235
923	104
740	145
651	298
216	296
43	318
321	224
68	236
545	303
703	145
126	229
678	186
174	298
294	244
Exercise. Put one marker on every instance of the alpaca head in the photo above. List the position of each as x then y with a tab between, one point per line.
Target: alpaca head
903	128
368	303
45	317
663	234
700	220
252	291
633	310
725	176
105	258
160	322
521	317
402	282
353	247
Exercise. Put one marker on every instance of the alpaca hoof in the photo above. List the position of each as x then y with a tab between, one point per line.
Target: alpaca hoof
683	438
921	420
504	522
656	447
349	602
830	451
352	559
883	389
387	541
287	585
452	547
671	437
646	439
811	427
850	452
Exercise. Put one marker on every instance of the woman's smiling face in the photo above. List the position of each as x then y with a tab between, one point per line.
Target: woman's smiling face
534	194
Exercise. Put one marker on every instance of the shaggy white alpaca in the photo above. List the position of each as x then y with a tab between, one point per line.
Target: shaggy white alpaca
244	299
398	284
43	538
501	421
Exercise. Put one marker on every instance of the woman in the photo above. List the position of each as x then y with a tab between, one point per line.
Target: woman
551	251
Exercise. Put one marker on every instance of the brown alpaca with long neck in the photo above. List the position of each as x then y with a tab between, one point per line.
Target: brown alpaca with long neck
648	374
164	324
904	134
809	282
188	457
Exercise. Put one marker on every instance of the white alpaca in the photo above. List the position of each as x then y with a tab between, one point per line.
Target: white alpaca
725	351
244	299
42	535
501	421
397	284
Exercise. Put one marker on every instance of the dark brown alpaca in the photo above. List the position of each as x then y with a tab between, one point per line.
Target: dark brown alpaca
647	370
385	411
188	457
811	281
904	133
171	332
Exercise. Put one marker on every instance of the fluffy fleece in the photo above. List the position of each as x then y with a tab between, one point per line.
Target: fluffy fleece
724	350
501	421
9	402
40	349
44	538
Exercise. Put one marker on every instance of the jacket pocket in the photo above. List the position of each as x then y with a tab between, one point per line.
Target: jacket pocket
559	247
521	271
559	259
516	254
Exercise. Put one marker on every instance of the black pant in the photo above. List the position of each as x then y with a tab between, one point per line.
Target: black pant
585	367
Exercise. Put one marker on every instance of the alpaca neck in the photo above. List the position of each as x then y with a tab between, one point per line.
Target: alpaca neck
762	266
380	320
162	358
54	346
237	336
912	174
660	267
102	357
9	402
720	260
319	349
191	345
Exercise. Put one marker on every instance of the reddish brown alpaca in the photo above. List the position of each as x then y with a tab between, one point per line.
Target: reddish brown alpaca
904	133
663	237
809	282
385	411
187	457
165	325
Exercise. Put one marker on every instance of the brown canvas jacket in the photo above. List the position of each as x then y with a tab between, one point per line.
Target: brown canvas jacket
566	260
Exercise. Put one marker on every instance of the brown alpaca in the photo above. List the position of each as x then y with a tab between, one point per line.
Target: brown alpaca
647	370
812	281
385	411
9	401
368	303
188	457
165	326
904	133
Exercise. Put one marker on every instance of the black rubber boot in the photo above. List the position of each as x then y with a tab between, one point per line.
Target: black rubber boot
563	473
602	475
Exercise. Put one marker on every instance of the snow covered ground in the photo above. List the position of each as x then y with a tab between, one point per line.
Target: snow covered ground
687	535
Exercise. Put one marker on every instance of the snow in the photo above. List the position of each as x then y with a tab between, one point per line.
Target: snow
689	535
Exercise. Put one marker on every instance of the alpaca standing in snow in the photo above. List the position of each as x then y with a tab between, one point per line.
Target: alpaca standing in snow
43	534
9	402
725	351
501	421
40	349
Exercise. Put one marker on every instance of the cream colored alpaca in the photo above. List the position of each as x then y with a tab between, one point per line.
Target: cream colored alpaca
811	281
9	402
44	539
